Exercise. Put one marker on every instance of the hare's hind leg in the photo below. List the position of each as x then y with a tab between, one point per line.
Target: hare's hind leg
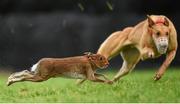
24	75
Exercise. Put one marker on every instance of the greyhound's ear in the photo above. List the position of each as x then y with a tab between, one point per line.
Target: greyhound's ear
166	22
150	21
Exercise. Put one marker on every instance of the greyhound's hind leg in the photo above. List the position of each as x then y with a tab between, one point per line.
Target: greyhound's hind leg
131	57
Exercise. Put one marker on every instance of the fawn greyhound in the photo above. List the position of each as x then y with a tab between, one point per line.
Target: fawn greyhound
150	38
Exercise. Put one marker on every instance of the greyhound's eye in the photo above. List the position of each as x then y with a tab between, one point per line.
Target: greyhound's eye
167	33
158	33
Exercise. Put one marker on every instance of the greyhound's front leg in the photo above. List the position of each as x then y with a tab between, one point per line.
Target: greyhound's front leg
170	56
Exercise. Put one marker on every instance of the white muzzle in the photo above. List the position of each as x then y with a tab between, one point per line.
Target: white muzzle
162	44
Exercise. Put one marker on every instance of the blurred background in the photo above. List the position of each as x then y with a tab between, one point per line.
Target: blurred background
33	29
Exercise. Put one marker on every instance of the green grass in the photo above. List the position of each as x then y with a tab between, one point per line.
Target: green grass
138	86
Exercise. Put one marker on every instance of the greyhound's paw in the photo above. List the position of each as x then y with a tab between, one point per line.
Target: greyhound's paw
157	77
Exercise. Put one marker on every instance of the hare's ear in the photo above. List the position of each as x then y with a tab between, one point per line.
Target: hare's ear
88	53
150	21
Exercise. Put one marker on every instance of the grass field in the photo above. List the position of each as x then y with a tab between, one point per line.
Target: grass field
138	86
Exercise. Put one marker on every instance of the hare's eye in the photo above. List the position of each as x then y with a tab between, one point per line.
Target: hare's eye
100	58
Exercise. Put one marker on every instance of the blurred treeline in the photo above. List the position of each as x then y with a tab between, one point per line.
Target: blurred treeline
33	29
